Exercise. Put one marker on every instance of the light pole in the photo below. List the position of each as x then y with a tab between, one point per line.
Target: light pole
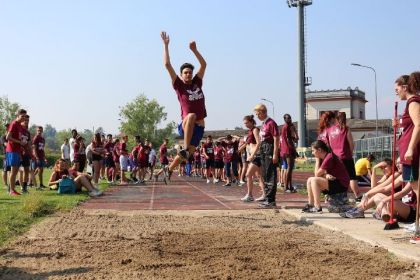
272	104
376	92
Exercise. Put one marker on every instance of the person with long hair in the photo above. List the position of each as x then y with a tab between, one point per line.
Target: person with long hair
408	88
330	178
98	153
254	159
341	143
289	138
61	171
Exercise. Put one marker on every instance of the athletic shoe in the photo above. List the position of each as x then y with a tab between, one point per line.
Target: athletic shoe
208	181
376	216
247	198
267	204
95	193
359	198
14	193
227	185
42	187
355	214
25	190
184	154
168	174
241	183
261	198
411	228
315	210
53	187
215	181
306	208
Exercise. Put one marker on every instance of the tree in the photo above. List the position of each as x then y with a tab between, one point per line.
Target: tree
142	116
7	112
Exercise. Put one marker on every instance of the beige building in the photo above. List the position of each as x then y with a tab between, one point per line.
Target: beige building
350	101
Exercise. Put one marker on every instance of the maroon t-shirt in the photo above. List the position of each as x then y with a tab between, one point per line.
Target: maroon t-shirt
144	153
337	137
26	137
109	147
218	153
197	156
123	149
335	167
163	151
268	131
39	145
231	151
287	146
15	130
250	138
191	97
209	149
323	136
407	126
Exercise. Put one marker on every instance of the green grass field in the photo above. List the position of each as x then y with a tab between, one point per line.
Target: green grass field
18	213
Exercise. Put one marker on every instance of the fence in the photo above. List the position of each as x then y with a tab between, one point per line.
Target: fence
380	147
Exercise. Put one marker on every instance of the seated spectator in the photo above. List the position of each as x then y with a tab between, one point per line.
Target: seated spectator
330	178
80	179
386	166
363	168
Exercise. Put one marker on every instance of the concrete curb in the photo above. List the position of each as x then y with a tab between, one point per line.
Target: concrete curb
367	230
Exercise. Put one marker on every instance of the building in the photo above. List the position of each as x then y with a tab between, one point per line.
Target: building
350	101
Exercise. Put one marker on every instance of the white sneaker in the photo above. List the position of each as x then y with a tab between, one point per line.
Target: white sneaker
241	183
95	193
208	181
410	228
215	181
261	198
247	198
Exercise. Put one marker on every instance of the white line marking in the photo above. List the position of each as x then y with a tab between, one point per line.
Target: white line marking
197	188
152	199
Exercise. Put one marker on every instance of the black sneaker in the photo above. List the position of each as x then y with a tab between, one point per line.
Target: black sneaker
306	208
169	174
184	154
267	204
227	185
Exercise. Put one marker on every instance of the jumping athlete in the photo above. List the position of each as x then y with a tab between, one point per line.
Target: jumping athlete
191	99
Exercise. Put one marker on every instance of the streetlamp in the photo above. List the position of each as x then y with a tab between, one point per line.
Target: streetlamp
272	104
376	91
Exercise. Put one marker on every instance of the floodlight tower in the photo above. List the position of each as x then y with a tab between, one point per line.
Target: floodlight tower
303	81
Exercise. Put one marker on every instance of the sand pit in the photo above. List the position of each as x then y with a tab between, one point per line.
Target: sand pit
249	244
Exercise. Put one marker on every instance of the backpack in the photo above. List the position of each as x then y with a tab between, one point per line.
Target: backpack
66	186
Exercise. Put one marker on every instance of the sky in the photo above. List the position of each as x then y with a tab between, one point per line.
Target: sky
75	63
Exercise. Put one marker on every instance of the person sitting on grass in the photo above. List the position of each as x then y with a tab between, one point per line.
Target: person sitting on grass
330	178
81	180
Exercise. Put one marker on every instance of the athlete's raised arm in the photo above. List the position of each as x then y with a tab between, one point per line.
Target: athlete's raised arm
203	63
166	59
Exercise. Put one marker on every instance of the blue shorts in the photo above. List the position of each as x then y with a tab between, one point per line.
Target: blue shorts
198	133
284	164
410	173
12	159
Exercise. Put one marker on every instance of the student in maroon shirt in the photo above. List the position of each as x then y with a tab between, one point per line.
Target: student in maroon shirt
143	159
191	99
269	135
289	138
330	178
26	153
341	143
13	148
219	154
230	158
108	147
208	151
39	152
408	88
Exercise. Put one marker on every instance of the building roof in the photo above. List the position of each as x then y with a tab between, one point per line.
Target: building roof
356	93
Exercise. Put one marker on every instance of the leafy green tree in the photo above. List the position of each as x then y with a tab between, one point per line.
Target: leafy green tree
8	111
142	116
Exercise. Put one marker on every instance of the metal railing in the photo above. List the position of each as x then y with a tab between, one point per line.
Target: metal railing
380	147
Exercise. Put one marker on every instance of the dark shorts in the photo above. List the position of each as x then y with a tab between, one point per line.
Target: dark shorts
218	164
143	164
109	162
334	187
210	163
5	166
411	216
256	161
26	161
198	133
197	164
164	161
410	173
38	164
96	157
349	164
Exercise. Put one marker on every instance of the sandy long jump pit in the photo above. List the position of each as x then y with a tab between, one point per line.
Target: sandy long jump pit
240	244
